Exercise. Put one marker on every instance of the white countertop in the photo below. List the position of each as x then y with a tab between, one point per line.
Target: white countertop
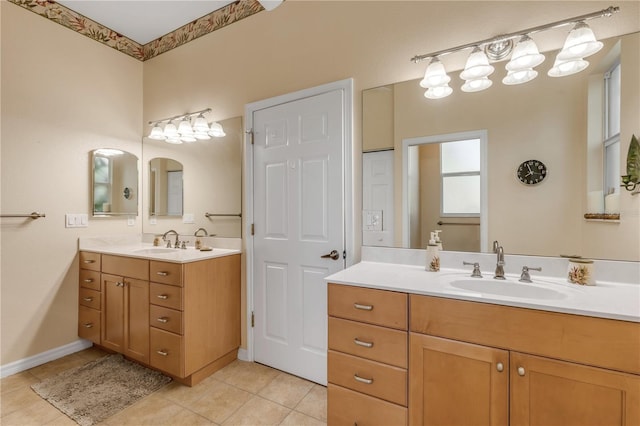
131	248
618	301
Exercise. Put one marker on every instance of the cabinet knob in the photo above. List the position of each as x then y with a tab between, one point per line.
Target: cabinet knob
520	371
363	307
161	352
500	367
162	296
163	320
361	343
88	299
162	273
87	325
119	284
362	379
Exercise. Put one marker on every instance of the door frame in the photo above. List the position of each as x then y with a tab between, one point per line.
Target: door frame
346	86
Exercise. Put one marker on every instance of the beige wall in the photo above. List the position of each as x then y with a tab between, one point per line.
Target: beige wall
63	95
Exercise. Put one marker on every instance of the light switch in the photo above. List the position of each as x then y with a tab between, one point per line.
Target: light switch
188	218
76	220
131	221
372	220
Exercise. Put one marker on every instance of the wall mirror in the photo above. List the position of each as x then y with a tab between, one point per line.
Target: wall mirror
114	182
546	119
165	187
211	184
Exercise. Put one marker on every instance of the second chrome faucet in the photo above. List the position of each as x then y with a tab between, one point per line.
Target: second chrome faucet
497	248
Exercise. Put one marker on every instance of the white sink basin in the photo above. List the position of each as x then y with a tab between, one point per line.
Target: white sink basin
507	288
155	250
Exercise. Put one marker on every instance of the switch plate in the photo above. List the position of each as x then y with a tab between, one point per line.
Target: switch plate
153	220
131	221
76	220
372	220
188	218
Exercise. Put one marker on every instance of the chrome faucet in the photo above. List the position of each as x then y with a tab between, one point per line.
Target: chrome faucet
497	248
164	238
525	277
195	234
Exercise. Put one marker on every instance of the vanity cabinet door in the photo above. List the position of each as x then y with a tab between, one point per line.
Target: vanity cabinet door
137	319
456	383
550	392
113	312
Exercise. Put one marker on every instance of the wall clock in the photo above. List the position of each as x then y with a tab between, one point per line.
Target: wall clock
531	172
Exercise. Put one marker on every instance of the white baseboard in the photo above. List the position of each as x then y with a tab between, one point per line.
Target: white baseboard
243	355
44	357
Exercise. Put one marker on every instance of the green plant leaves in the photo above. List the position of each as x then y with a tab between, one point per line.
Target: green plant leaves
633	160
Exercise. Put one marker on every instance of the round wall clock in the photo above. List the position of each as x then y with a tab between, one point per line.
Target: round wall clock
531	172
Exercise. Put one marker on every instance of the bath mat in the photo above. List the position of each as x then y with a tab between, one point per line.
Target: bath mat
99	389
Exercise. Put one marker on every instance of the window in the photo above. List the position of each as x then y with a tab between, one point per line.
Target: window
101	182
460	178
611	136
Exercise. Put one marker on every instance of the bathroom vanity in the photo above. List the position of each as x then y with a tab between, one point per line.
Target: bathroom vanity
177	311
412	347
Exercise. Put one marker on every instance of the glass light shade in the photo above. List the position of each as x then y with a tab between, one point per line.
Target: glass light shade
184	128
157	133
564	68
216	130
477	66
202	135
525	55
519	77
476	85
200	124
188	138
438	92
580	43
170	130
435	75
173	140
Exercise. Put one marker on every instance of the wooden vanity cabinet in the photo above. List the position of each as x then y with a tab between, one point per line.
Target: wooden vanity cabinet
468	366
90	297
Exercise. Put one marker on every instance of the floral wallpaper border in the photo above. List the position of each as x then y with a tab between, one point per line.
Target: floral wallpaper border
214	21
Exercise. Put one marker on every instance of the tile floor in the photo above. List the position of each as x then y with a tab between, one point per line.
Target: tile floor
242	393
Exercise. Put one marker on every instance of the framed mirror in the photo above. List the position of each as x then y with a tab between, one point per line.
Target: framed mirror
548	120
166	193
114	182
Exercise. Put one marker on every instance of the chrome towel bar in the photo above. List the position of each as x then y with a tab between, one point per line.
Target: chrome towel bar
457	223
33	215
222	215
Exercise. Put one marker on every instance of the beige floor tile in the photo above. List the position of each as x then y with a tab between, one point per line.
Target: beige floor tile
92	353
152	410
17	381
62	420
248	376
299	419
19	399
219	402
34	413
315	403
59	365
258	411
186	417
286	390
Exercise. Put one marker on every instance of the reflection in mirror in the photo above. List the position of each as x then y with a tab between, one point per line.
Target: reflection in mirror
114	180
547	119
165	187
212	183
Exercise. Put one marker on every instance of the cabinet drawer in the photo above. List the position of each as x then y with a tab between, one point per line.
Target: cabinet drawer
368	341
165	295
90	298
166	272
125	266
90	279
370	377
166	352
346	407
89	324
381	307
90	261
165	318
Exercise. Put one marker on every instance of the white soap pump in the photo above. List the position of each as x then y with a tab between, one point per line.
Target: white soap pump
433	255
438	241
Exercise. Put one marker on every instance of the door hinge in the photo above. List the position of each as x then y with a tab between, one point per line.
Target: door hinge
253	319
250	135
253	231
344	254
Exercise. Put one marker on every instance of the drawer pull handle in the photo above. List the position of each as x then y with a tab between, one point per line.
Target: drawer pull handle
163	353
119	284
88	280
363	307
88	325
162	296
89	261
500	367
362	379
88	299
163	320
520	371
162	273
364	344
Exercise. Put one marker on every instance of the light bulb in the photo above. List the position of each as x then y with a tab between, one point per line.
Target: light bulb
438	92
476	85
519	77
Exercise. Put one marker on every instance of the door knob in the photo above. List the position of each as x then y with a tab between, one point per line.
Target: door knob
333	255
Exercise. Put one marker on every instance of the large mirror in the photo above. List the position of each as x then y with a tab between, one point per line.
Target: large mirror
114	182
546	120
206	188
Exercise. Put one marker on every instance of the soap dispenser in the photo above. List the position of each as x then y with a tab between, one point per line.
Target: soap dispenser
438	241
433	255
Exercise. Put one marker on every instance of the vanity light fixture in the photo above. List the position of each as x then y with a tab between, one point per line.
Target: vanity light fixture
188	130
580	43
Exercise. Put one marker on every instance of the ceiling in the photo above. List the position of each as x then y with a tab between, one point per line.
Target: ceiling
143	20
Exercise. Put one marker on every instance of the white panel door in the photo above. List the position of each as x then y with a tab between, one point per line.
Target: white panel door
377	199
298	218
